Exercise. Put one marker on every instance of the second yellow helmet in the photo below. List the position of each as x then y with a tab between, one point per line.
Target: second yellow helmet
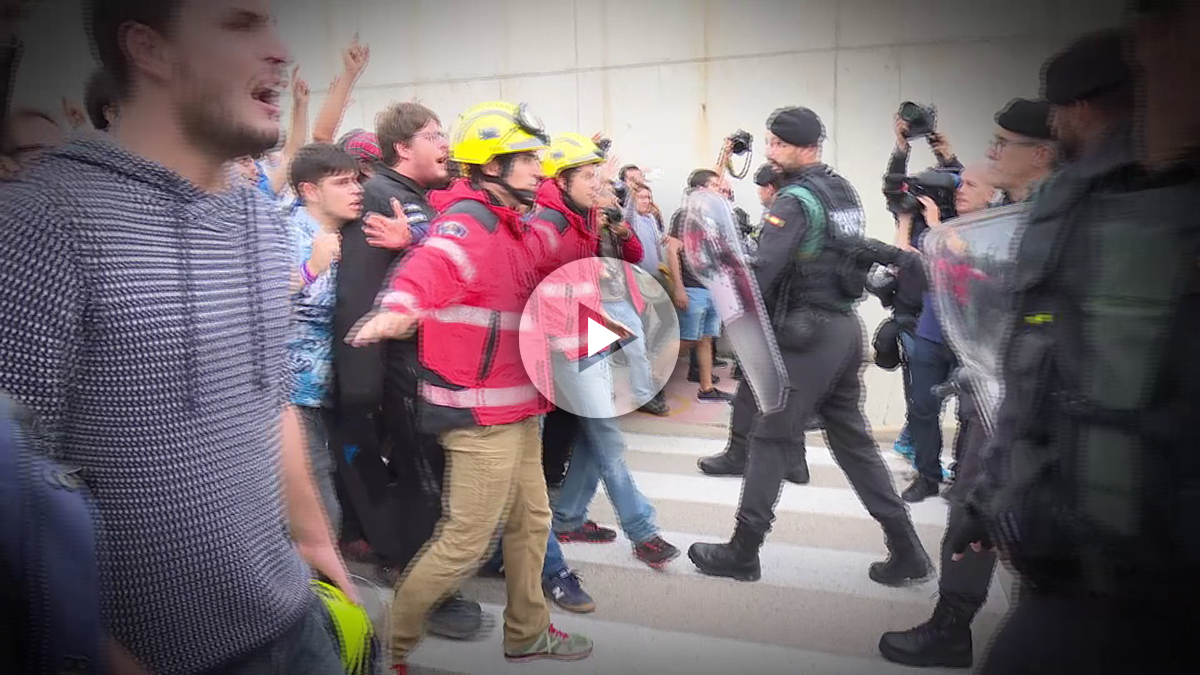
568	151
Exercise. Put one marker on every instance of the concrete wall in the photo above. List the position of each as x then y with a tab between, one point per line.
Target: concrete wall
668	79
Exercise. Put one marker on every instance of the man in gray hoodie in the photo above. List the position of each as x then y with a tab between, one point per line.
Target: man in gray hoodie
146	317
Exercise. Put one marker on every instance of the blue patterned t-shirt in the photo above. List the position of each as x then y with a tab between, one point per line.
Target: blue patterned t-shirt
310	349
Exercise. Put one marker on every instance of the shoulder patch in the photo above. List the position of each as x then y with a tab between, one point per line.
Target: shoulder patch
452	228
774	220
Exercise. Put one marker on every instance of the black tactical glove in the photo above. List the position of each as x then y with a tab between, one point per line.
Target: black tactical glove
969	531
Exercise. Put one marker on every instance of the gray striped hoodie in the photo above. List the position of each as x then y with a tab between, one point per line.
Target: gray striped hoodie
145	321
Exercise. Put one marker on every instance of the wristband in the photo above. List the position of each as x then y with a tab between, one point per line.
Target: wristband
306	275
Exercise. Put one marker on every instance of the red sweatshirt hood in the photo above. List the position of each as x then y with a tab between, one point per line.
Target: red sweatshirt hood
550	196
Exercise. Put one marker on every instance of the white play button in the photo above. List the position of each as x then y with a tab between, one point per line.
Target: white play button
598	337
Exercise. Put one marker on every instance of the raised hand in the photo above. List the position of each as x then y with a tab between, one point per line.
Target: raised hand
355	58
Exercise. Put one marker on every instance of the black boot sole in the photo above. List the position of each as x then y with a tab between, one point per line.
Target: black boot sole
736	575
924	661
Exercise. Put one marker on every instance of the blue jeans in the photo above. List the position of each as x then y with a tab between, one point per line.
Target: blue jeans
700	319
307	648
634	349
553	566
930	364
599	454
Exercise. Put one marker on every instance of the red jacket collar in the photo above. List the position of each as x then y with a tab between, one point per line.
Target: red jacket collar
550	196
462	189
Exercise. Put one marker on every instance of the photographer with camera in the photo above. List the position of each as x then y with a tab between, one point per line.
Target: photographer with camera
1020	159
929	360
901	289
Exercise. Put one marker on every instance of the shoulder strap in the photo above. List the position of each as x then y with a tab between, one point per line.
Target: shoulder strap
555	218
814	210
477	210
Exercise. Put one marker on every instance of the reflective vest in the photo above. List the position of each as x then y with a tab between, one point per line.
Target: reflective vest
470	280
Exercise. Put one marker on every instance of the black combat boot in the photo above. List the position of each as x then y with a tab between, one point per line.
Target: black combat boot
732	462
944	641
736	560
920	489
907	561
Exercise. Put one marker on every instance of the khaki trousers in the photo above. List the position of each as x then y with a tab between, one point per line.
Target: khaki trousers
493	475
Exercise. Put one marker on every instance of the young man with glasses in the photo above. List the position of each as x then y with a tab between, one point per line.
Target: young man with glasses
376	386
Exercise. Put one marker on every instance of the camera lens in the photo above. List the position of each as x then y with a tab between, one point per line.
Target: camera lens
910	112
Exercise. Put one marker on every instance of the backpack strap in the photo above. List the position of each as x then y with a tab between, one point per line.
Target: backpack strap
477	210
555	218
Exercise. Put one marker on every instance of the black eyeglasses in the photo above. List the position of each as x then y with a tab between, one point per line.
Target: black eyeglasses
1000	143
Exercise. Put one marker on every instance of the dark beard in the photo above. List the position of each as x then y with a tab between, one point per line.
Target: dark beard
1069	149
208	125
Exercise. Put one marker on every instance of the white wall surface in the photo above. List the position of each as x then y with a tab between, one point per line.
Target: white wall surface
669	79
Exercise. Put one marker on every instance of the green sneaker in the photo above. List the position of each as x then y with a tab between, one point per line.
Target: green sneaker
553	644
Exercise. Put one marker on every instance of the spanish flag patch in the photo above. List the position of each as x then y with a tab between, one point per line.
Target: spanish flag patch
775	220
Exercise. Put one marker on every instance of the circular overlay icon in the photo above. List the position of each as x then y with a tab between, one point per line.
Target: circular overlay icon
599	337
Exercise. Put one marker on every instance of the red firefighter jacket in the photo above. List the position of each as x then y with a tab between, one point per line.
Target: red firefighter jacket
469	281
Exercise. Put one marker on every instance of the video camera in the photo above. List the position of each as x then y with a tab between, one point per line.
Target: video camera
921	119
940	185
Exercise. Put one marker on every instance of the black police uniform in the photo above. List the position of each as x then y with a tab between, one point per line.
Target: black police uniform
804	276
1090	485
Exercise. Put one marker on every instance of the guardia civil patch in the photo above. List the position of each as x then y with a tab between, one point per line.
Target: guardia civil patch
452	228
774	220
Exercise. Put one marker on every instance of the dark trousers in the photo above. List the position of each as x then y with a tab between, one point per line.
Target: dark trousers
964	584
745	409
826	377
558	438
1067	633
929	364
307	648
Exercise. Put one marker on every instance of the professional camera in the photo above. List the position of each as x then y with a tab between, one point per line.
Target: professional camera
612	215
740	142
922	119
939	185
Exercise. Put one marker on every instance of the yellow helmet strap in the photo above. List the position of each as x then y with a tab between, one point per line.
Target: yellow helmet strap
526	197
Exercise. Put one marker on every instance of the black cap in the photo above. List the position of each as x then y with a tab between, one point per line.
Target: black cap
1027	118
767	174
797	126
1092	65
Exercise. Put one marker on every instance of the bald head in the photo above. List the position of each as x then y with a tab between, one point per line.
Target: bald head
976	191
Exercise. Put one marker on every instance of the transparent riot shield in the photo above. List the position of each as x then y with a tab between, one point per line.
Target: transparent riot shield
970	262
713	251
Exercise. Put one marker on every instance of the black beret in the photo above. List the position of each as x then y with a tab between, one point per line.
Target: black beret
1094	64
1027	118
797	126
767	174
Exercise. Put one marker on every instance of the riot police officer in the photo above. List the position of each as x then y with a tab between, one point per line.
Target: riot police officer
1090	484
810	285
